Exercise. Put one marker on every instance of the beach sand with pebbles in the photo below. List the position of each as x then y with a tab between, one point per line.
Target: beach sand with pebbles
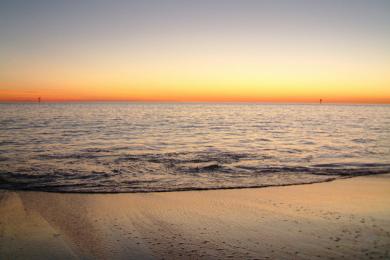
348	218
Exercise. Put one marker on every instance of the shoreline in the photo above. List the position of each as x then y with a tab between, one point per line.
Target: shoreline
345	218
190	189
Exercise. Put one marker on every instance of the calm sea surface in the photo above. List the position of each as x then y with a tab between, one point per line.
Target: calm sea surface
134	147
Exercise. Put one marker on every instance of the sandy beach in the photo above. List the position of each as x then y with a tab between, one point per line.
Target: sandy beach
343	219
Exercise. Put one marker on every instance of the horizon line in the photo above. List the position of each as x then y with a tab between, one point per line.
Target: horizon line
200	101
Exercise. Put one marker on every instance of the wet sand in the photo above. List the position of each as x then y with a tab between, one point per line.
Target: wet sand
344	219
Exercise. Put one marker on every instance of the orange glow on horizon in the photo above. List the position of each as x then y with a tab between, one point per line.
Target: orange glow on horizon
201	78
169	96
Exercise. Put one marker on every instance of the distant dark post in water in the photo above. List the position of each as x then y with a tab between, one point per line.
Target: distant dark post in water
39	100
320	101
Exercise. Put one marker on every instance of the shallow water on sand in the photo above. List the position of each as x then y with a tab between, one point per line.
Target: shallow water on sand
141	147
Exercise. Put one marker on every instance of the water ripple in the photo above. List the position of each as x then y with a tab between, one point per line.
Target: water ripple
135	147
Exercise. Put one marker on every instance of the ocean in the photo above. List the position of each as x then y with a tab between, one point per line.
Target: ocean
147	147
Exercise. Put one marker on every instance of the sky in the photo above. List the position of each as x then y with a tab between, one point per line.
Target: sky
180	50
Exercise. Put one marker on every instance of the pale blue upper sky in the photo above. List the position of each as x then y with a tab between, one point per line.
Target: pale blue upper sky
40	23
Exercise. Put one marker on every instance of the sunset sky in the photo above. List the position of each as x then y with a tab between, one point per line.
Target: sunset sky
215	50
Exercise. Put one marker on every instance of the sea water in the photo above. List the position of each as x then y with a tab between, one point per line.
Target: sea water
145	147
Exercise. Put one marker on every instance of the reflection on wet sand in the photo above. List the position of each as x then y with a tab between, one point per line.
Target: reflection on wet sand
346	218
